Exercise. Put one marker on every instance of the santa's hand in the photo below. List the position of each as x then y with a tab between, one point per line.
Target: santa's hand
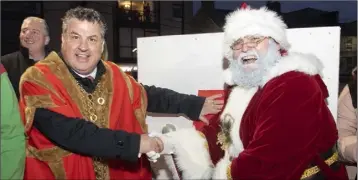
168	145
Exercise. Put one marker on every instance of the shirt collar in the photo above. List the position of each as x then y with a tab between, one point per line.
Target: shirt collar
92	74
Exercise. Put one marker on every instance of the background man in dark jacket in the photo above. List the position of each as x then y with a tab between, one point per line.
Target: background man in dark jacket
34	36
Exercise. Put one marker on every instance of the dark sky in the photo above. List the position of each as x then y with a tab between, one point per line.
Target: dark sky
347	9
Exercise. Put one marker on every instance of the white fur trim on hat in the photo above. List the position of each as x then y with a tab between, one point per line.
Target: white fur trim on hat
262	22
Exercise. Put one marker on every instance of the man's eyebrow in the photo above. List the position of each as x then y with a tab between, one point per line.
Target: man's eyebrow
93	36
26	28
73	33
238	41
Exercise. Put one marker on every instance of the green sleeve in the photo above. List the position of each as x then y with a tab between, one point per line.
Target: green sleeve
12	133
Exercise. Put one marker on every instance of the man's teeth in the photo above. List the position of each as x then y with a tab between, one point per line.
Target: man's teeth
82	55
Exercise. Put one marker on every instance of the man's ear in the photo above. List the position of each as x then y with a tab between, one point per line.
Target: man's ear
47	40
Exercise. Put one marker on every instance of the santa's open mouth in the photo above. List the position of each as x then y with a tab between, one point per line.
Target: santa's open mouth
248	59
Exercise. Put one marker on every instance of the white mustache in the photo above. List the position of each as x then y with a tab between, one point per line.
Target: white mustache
251	53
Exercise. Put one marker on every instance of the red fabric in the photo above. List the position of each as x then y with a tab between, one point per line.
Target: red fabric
283	52
2	69
210	131
77	166
126	120
243	6
285	126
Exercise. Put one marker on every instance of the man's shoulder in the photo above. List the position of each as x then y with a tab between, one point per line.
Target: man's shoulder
32	71
296	70
109	64
295	82
51	62
45	66
114	67
8	58
293	78
11	55
295	64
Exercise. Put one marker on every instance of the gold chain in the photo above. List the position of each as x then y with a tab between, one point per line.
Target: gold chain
91	101
223	137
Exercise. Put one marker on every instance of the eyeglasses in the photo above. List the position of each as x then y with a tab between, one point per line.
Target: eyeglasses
251	43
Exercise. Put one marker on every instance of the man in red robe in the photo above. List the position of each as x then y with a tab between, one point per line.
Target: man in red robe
276	123
78	86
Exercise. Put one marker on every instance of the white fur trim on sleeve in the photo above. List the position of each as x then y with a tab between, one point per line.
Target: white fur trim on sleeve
221	168
192	156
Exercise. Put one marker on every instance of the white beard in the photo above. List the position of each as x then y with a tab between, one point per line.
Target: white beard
251	75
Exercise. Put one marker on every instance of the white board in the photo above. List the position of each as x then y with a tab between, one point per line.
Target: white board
187	63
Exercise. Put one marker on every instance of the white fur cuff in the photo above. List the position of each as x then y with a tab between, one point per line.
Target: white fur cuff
221	169
192	154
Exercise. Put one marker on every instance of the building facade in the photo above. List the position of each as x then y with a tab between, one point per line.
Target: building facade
126	21
144	19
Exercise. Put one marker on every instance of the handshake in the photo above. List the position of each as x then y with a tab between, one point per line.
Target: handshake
154	144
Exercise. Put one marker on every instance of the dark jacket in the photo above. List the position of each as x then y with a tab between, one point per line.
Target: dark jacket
15	64
65	132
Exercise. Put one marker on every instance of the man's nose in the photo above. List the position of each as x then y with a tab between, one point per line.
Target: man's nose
245	48
83	46
27	33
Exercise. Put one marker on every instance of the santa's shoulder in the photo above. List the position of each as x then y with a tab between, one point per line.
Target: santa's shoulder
295	63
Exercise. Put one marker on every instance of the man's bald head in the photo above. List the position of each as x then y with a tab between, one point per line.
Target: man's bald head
34	33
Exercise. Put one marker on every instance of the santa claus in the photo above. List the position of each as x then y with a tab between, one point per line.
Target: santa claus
276	124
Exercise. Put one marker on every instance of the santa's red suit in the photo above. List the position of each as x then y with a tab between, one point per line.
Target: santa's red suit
281	129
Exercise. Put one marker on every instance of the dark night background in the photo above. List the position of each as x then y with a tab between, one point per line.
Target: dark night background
347	9
127	21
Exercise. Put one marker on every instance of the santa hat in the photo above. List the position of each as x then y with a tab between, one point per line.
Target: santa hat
247	22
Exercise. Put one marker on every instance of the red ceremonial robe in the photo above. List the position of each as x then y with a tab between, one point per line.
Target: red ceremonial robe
119	103
274	131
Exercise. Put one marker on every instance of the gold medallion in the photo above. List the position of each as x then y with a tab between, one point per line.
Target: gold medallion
100	101
93	117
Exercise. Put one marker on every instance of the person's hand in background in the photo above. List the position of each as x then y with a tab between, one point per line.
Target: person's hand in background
211	106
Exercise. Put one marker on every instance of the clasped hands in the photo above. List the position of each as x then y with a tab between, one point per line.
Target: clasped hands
154	145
